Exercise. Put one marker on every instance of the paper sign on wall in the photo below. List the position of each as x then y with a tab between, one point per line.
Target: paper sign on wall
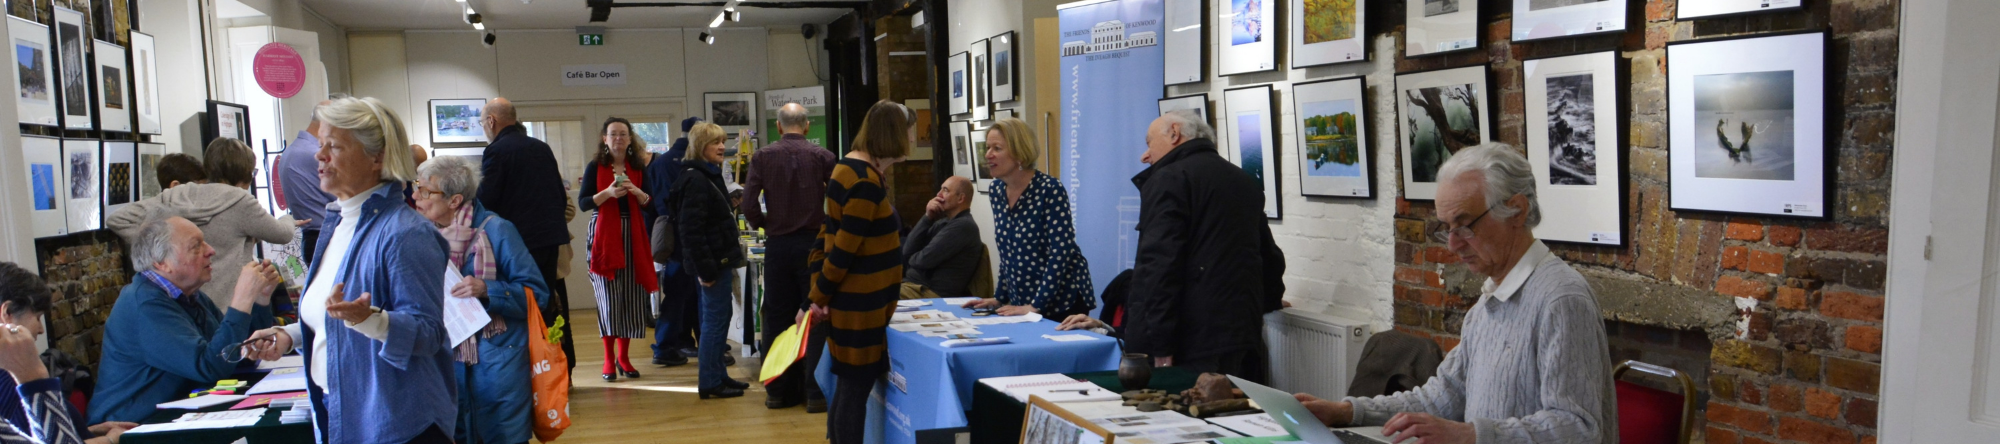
593	75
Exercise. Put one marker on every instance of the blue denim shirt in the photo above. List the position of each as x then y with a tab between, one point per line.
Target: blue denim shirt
496	400
387	391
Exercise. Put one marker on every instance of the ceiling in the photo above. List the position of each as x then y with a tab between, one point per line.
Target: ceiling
551	14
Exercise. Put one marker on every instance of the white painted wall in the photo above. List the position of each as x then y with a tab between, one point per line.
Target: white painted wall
1340	253
176	29
16	243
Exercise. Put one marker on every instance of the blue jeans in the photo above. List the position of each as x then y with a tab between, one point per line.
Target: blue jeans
715	311
679	296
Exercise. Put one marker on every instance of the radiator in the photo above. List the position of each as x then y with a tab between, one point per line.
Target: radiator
1312	352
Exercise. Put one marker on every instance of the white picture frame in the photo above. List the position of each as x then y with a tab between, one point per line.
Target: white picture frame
146	180
73	70
457	122
959	84
1767	152
1440	26
1004	66
1423	148
114	89
1248	35
34	73
81	168
1252	121
146	82
962	155
1551	19
1335	156
1694	9
47	182
733	111
1186	41
982	82
1328	32
119	175
976	141
1574	144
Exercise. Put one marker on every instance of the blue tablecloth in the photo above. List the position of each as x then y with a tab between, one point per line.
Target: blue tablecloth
938	381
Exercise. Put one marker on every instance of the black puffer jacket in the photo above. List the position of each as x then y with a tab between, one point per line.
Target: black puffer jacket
705	224
1207	267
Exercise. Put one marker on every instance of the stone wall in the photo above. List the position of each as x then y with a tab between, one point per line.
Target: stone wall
86	272
1806	366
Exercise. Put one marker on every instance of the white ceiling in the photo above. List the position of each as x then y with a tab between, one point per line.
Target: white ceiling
549	14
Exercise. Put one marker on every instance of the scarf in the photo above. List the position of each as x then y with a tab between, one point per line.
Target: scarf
607	250
469	245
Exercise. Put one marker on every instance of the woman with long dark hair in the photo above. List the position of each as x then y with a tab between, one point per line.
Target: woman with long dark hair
620	257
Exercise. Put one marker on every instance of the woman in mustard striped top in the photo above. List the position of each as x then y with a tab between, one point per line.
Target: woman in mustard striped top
858	264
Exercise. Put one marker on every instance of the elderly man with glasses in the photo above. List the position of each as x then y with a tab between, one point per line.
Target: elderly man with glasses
1533	366
164	337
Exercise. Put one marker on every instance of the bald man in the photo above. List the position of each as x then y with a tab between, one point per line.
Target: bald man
298	175
789	179
520	183
943	251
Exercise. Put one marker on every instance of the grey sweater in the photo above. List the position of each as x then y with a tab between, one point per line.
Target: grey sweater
1533	367
230	218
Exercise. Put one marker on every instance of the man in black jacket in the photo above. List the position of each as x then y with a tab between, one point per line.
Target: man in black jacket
520	183
1207	268
942	253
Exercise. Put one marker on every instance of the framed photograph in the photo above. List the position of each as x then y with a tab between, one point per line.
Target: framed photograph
1333	149
1440	26
80	173
1442	112
1548	19
147	163
1197	102
1253	139
114	98
1004	113
1049	423
457	122
734	111
48	183
1574	143
1006	67
961	83
982	82
25	9
1186	41
225	120
961	150
1747	123
1249	36
34	72
982	179
120	164
116	20
145	82
1329	31
74	70
1720	8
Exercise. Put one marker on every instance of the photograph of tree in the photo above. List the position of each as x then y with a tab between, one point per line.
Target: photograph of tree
1751	114
1329	20
1442	120
1331	138
1572	130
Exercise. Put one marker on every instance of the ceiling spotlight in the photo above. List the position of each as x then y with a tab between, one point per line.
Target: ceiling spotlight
718	19
488	39
473	18
706	38
734	16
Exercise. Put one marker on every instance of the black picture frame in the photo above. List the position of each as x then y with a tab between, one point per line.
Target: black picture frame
1174	52
1007	44
1178	102
1307	185
1554	197
1689	186
211	123
1271	166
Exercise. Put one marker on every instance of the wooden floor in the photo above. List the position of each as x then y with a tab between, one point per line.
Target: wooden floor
661	406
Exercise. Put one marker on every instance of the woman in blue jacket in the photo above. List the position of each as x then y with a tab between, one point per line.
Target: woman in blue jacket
495	398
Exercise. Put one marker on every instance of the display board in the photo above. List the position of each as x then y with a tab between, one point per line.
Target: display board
811	97
1098	89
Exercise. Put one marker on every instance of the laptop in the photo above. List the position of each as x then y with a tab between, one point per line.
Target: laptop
1294	417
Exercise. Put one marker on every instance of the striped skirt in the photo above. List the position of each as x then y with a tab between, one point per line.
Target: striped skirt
624	308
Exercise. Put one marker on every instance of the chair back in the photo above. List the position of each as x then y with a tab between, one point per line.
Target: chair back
1648	415
982	275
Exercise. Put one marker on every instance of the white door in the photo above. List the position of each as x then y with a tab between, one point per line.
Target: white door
1942	360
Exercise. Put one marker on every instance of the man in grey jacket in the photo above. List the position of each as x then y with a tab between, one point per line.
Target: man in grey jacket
1533	366
942	252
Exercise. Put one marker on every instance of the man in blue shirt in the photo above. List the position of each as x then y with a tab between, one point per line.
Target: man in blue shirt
164	337
298	175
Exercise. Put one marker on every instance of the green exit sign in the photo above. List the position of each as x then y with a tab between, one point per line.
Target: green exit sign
590	39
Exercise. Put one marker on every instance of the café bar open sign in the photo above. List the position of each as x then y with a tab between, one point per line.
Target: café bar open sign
593	75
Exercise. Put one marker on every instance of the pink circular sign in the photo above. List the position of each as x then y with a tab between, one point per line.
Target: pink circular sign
279	70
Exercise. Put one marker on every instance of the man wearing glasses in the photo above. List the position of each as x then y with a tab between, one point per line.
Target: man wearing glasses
1533	366
164	337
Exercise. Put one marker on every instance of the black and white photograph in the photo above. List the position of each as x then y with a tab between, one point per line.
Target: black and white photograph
1573	145
148	165
34	72
80	177
1572	130
1440	113
734	111
73	70
1440	26
982	81
82	174
1248	31
145	83
1433	8
1747	125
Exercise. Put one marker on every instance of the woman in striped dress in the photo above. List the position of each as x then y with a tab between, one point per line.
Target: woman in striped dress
858	264
621	258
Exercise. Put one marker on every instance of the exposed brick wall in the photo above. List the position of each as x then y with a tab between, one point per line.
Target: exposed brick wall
905	78
86	272
1807	368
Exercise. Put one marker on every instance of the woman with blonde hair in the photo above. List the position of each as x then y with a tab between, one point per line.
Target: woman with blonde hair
707	243
1041	268
621	258
857	264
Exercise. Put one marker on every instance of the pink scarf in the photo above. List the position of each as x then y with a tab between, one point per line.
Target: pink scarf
470	244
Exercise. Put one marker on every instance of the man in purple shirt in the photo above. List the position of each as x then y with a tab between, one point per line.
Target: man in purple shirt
789	179
298	175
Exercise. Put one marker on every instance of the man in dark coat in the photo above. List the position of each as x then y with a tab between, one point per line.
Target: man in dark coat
520	183
1207	267
680	299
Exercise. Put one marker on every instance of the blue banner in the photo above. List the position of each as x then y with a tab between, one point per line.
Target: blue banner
1111	86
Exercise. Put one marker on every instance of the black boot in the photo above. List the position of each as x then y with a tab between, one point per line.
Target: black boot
720	392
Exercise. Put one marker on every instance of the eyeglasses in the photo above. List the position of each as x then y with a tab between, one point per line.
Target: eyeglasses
1462	232
235	354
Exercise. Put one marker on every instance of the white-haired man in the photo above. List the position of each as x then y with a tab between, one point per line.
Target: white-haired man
1533	366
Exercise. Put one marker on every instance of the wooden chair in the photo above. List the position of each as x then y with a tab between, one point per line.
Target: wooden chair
1648	415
